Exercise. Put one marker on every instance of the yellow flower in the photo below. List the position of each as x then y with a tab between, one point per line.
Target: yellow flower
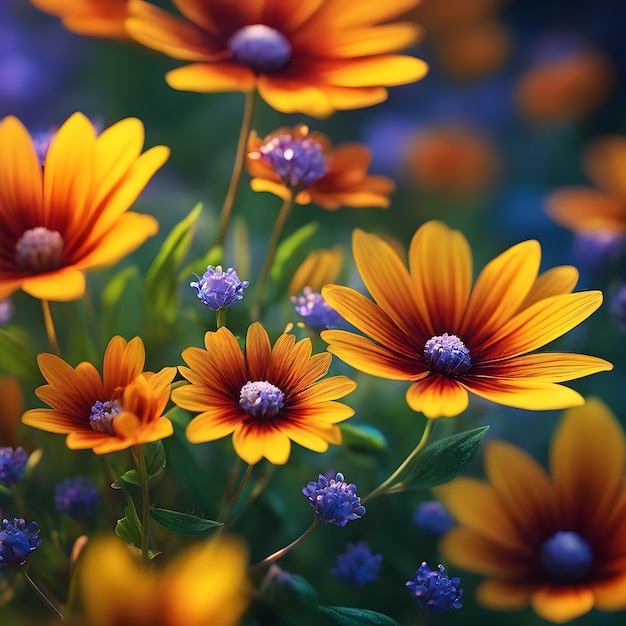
553	541
98	18
305	162
71	214
318	269
429	325
306	56
265	398
205	585
122	408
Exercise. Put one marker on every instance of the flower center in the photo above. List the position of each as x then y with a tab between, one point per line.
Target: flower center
447	355
39	250
261	399
260	47
102	416
566	556
299	162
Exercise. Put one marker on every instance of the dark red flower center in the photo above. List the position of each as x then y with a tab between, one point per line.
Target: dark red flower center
566	556
261	399
39	250
260	47
447	355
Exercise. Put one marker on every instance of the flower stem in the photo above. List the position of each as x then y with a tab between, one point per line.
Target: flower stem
42	596
231	500
281	220
280	553
382	488
240	159
140	460
49	322
220	316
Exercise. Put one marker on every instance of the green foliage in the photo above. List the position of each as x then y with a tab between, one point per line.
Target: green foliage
362	438
183	523
348	616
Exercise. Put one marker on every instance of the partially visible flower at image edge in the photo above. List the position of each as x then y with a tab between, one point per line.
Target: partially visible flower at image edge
334	500
532	535
17	541
97	18
217	288
434	590
313	57
357	565
122	407
430	326
72	214
297	160
266	397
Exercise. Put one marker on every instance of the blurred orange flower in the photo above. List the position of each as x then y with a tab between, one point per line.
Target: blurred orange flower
265	398
310	57
298	160
442	16
98	18
318	269
204	585
11	409
429	325
71	214
601	210
553	541
122	407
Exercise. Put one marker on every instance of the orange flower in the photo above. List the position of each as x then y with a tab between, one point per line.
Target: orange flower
119	409
71	215
289	160
98	18
556	542
429	325
265	398
319	268
601	210
311	57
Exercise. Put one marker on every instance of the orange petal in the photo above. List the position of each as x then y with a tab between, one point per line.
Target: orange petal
211	425
62	285
346	98
562	604
211	78
358	42
554	282
437	396
292	96
278	189
255	442
504	595
604	161
610	594
258	351
331	388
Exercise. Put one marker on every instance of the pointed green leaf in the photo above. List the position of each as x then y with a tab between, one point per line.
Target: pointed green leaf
183	523
131	477
348	616
129	527
442	460
285	262
154	454
362	437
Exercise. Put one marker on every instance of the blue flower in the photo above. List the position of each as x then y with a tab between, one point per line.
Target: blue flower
334	500
358	565
12	465
317	313
77	497
17	541
218	289
433	519
434	591
6	312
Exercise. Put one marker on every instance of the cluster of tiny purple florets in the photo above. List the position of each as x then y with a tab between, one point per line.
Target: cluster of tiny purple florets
317	313
434	591
17	541
334	500
217	288
12	465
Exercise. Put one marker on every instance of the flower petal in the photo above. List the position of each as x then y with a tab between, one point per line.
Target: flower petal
610	594
293	96
253	442
553	282
504	595
211	78
437	396
562	604
62	285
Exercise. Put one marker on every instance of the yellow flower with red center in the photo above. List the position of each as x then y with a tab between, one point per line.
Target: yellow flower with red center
204	585
71	213
430	326
122	407
555	541
266	398
311	56
98	18
296	160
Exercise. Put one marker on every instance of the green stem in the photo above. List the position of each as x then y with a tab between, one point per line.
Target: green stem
140	460
220	316
240	159
42	596
231	502
279	226
382	488
280	553
50	330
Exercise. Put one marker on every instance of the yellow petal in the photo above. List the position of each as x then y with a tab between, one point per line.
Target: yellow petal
358	42
437	396
504	595
554	282
610	594
292	96
211	78
256	442
562	604
62	285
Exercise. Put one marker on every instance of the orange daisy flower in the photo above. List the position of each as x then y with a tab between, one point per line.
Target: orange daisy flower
600	210
296	160
556	542
310	57
429	325
98	18
71	214
266	397
122	408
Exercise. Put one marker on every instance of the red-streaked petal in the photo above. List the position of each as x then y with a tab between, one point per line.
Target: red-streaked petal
331	388
562	604
437	396
123	362
553	282
252	443
258	351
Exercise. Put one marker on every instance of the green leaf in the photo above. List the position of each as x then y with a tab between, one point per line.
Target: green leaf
129	527
154	454
162	278
289	252
131	477
183	523
442	460
348	616
198	266
362	437
116	286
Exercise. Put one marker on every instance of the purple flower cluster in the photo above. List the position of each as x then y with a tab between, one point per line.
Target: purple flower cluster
12	465
358	565
218	289
77	497
433	519
317	313
334	500
17	541
434	591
